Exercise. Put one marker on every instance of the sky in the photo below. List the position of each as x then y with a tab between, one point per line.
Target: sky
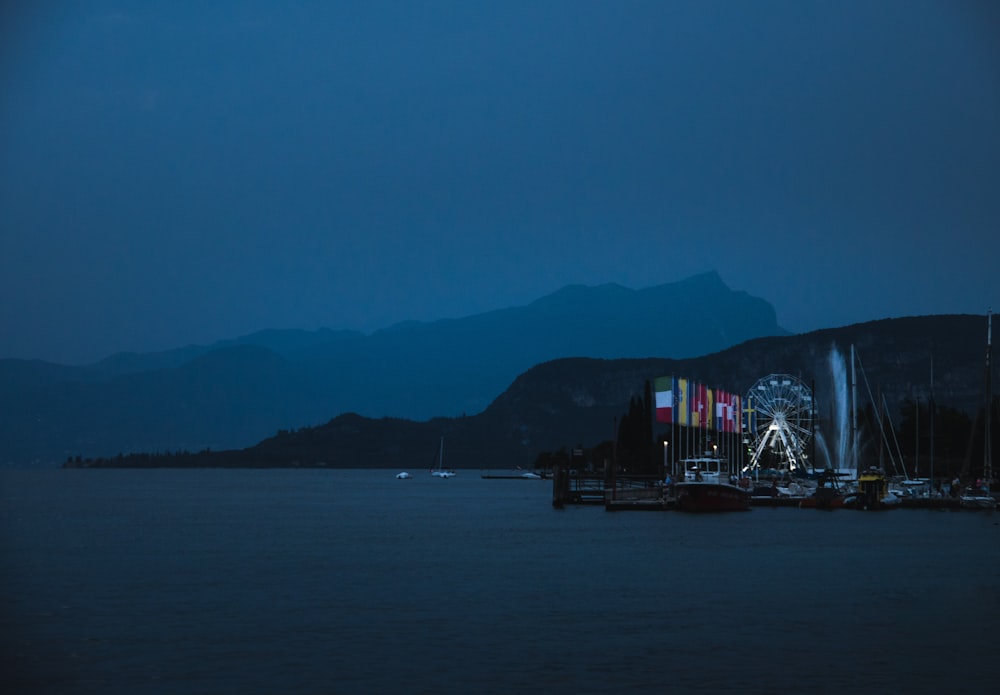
176	172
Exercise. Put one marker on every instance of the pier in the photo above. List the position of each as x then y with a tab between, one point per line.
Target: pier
570	487
623	492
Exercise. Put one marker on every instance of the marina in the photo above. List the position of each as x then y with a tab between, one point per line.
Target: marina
646	493
776	455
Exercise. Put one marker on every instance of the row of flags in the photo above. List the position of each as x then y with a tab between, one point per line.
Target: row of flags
688	403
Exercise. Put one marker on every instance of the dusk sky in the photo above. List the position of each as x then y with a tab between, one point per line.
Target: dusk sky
178	172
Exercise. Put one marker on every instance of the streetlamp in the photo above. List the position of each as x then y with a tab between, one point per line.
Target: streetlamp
667	472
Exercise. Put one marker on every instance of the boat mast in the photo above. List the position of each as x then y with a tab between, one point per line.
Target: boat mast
854	416
916	438
987	444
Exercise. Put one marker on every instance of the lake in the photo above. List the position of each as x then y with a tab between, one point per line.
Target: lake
332	581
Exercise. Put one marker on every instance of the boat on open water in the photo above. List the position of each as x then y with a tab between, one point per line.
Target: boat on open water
441	471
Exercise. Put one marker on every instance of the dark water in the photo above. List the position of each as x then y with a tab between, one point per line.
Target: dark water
354	582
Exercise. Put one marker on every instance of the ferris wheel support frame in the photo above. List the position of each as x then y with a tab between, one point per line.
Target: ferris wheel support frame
793	438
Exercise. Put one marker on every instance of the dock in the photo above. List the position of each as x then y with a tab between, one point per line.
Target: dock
570	487
646	493
487	474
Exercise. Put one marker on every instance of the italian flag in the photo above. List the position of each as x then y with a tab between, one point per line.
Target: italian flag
664	387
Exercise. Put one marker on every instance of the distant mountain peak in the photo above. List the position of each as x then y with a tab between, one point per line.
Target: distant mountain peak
706	276
578	292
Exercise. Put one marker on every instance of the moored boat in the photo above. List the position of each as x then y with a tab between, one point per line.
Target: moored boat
441	471
827	494
977	498
706	487
873	493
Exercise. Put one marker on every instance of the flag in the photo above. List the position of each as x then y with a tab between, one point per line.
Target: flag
734	414
709	422
749	416
698	414
695	402
665	387
682	406
721	410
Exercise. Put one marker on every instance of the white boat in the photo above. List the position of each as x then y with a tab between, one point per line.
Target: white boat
977	498
794	489
910	489
703	486
441	471
516	474
403	475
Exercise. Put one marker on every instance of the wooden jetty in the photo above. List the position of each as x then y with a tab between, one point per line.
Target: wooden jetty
613	491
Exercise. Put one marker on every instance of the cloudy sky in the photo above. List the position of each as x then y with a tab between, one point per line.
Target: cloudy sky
177	172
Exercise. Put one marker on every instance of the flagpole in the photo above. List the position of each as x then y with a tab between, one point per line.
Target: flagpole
988	443
673	423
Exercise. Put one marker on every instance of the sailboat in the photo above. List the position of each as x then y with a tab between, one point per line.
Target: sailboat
979	496
440	471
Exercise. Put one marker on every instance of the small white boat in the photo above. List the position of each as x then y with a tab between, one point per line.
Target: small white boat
440	471
977	498
403	476
793	489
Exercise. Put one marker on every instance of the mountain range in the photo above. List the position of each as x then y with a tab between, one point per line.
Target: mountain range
236	392
573	403
554	373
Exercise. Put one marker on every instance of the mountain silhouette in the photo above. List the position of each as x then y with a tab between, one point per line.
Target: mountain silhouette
575	403
236	392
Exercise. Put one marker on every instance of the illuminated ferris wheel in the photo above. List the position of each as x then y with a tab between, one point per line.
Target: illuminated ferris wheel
780	411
